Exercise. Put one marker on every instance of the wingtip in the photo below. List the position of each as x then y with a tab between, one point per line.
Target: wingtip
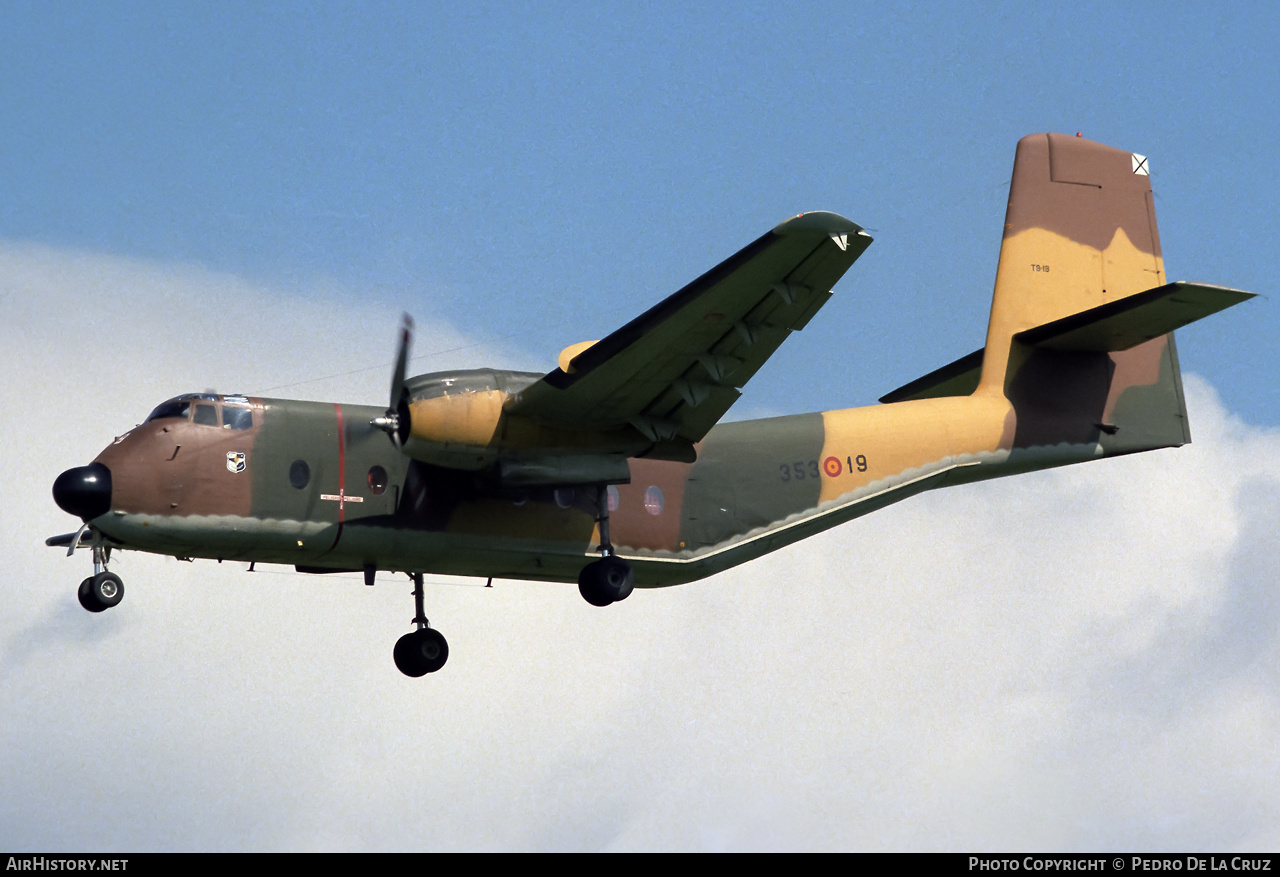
1244	294
820	221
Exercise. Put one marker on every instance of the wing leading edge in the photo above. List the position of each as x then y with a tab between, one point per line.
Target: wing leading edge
672	372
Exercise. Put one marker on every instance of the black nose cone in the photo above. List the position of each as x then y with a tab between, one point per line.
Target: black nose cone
84	491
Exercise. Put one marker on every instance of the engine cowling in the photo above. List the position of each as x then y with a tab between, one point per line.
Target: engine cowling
459	420
453	419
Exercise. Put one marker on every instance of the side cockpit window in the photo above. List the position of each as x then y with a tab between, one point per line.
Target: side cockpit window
237	418
206	415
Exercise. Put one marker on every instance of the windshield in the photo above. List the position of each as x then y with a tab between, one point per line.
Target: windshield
180	406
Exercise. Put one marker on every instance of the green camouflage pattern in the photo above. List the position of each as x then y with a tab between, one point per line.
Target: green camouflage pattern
1067	374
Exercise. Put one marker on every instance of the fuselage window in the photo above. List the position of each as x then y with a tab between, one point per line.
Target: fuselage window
654	500
299	474
565	496
237	418
378	480
206	415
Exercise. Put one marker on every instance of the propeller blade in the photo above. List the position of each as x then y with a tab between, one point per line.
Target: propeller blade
390	422
402	362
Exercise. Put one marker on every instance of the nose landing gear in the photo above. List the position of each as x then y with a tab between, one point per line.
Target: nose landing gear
103	589
424	650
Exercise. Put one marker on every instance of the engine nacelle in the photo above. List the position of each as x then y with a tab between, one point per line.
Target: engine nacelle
454	419
459	420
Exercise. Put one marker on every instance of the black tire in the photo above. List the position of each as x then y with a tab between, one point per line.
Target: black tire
591	587
107	589
87	599
606	581
409	657
421	652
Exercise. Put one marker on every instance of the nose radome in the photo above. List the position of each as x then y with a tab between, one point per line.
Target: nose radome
84	491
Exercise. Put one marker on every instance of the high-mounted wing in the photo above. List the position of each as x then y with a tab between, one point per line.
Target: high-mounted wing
673	372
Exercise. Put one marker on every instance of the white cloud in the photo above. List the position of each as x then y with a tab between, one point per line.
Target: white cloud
1079	659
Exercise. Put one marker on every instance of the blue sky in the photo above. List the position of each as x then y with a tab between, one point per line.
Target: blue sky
244	197
541	173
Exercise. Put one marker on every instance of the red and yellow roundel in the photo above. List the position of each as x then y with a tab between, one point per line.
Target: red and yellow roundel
832	466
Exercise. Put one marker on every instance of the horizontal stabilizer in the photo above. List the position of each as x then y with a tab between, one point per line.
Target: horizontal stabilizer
1130	321
1116	326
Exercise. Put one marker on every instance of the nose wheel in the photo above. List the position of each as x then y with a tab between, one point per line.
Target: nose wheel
103	589
424	650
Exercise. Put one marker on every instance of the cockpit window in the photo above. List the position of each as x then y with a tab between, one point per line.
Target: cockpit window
179	407
237	418
237	415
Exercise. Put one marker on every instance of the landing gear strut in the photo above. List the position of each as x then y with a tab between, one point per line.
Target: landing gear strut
103	589
424	650
610	578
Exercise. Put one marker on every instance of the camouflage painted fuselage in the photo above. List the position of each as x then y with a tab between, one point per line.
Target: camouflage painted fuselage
756	486
1069	372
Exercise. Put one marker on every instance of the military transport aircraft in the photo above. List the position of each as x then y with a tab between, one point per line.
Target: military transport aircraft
611	469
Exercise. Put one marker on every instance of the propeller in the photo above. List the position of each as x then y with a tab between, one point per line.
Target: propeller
390	422
402	360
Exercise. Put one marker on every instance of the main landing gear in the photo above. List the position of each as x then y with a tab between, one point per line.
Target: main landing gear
425	650
103	589
610	578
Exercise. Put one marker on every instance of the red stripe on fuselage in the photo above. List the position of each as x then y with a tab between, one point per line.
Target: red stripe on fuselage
342	468
342	478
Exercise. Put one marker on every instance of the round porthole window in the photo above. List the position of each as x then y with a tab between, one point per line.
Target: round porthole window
299	474
377	480
653	500
565	496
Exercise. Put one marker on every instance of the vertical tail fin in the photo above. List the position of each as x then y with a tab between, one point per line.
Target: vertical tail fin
1080	233
1081	333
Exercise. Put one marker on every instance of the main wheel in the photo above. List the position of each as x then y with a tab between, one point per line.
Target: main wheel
421	652
606	581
